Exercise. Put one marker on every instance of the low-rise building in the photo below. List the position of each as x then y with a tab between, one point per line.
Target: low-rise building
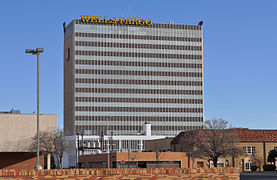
134	160
256	145
103	143
16	132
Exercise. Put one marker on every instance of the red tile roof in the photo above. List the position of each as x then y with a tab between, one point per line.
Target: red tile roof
249	135
244	135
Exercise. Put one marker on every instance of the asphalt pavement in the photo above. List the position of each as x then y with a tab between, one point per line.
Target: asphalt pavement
266	175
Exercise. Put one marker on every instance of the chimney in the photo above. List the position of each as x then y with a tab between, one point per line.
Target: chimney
147	129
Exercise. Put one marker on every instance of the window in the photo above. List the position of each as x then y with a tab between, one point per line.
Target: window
275	148
67	54
96	163
249	149
200	164
248	165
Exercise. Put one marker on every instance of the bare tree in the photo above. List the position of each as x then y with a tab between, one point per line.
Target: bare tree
216	140
51	141
47	141
257	160
61	145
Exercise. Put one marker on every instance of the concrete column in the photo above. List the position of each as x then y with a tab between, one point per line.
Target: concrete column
48	161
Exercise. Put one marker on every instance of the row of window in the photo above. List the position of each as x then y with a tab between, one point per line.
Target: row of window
140	82
141	37
92	163
252	149
249	149
135	128
138	64
141	46
139	118
138	109
138	100
138	73
138	91
139	55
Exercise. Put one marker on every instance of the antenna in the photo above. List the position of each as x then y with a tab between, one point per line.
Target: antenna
64	26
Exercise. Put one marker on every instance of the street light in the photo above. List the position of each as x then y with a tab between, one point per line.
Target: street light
37	52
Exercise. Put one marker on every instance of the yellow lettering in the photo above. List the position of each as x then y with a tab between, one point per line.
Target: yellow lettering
113	20
86	18
93	19
121	20
148	22
128	21
105	20
141	21
134	20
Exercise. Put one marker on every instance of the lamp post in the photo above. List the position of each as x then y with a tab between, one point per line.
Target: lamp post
37	52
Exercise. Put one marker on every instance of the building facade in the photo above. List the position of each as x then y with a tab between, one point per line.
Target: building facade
16	133
135	160
119	76
256	145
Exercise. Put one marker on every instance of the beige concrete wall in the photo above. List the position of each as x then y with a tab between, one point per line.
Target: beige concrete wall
16	130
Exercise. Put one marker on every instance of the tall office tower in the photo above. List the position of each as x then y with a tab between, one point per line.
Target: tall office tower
119	76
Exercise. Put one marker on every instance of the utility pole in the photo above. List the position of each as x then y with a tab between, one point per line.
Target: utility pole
37	52
108	152
78	148
82	135
102	140
157	157
128	156
112	139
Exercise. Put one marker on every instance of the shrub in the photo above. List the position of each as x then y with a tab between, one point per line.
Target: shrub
253	168
272	156
269	167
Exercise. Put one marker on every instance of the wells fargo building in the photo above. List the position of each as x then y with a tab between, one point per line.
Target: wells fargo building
117	76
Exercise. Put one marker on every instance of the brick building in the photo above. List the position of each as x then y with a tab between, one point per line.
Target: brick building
256	144
134	160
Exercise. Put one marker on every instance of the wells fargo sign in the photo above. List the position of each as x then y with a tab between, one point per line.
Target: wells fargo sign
113	20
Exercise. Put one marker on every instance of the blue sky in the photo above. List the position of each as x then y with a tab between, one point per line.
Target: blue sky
239	52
